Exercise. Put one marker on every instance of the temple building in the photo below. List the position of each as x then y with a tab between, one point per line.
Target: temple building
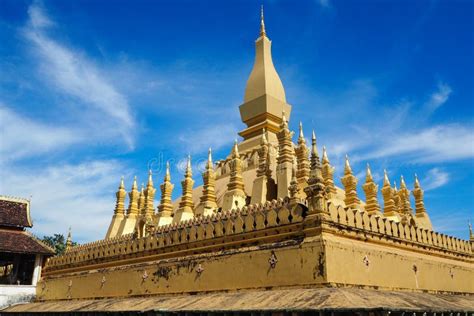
270	230
22	256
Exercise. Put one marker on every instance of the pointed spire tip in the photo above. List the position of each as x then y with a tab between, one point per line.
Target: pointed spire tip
262	22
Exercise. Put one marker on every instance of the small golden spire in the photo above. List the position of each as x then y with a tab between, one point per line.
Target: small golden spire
133	198
325	155
303	163
150	178
328	174
235	150
165	209
347	166
186	204
167	174
149	196
370	189
134	185
69	239
262	23
314	147
350	187
141	199
263	161
417	183
402	183
404	194
235	196
418	194
208	200
386	181
189	172
389	207
301	136
471	234
122	184
368	177
120	202
209	159
293	188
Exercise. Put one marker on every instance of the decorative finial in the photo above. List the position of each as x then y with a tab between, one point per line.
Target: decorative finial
347	166
386	181
395	185
262	23
325	155
122	184
188	166
69	239
301	131
167	174
471	235
235	150
368	177
209	155
150	177
314	147
134	185
209	164
402	183
417	183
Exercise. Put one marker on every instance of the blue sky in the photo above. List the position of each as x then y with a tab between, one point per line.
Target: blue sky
92	90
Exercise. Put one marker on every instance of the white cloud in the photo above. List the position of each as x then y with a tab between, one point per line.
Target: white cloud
37	18
439	97
20	136
81	196
324	3
453	222
215	136
99	103
435	178
432	144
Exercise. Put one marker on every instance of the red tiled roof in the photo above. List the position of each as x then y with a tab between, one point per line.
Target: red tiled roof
18	241
14	213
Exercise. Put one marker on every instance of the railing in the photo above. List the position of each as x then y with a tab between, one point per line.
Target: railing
251	218
248	219
391	229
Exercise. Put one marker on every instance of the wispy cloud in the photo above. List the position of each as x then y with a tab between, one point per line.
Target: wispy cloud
21	136
210	135
324	3
78	195
67	70
439	97
435	178
453	222
369	130
432	144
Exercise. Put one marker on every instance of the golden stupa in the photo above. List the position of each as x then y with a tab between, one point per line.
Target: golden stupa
268	231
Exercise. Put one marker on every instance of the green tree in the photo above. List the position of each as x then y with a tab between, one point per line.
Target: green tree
57	242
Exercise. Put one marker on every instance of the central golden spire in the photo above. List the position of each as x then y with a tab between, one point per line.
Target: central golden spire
265	98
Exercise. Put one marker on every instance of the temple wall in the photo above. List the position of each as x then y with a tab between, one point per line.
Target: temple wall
275	265
361	263
273	245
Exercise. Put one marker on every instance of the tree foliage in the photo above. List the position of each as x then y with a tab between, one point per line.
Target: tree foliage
57	242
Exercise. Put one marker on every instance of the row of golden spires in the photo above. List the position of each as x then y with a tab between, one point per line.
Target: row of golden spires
396	201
